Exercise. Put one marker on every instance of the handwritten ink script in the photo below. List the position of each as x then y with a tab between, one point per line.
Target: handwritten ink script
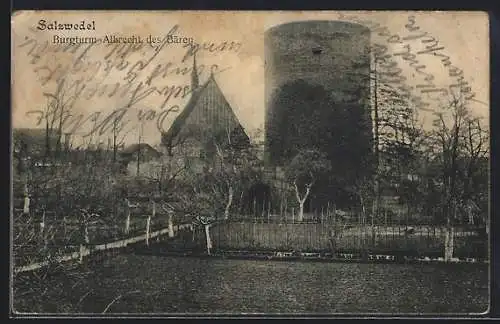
96	88
424	93
132	74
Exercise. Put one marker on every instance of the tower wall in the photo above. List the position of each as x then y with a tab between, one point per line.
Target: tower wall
330	55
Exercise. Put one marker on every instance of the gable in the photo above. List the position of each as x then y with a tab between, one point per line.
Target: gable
211	111
206	114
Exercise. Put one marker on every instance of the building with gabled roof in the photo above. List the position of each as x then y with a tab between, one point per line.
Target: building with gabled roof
35	141
147	151
206	118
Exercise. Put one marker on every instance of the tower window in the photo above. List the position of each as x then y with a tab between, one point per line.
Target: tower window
317	50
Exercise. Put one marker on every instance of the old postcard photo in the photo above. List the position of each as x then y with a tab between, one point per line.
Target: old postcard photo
200	163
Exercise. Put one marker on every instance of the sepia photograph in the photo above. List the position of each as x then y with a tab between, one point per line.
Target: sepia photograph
270	163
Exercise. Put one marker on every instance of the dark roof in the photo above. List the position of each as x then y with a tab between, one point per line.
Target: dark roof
176	126
133	148
212	91
34	138
36	134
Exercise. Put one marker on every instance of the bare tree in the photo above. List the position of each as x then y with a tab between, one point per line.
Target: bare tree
165	173
397	134
202	209
118	137
302	173
87	218
363	190
129	207
59	106
139	147
230	161
457	144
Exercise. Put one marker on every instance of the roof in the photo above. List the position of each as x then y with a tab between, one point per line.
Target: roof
134	148
206	110
34	138
37	134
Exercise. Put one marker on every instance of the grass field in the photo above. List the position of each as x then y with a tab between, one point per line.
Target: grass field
152	284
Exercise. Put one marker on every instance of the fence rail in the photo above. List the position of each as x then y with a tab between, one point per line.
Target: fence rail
85	251
349	217
469	241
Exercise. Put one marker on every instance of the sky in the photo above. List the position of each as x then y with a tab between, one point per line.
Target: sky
39	63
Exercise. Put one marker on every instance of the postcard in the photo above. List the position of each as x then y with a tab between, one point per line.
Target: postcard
250	163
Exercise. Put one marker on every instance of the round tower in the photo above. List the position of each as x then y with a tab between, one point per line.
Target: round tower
333	55
317	89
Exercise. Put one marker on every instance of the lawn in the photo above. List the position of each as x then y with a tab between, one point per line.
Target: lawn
153	284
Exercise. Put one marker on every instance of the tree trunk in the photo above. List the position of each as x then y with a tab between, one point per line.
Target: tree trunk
26	207
408	211
171	225
376	201
449	237
268	210
334	215
148	225
300	215
333	244
115	135
44	237
282	195
363	210
448	243
376	149
65	226
127	222
209	241
240	206
229	203
42	223
80	259
86	233
301	201
153	216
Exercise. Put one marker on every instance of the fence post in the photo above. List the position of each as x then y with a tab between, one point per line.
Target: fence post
281	203
42	223
26	207
286	236
254	209
286	209
86	232
153	216
334	215
268	210
81	254
65	229
170	225
127	221
148	223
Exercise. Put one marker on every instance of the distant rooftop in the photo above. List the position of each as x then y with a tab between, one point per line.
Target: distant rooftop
134	148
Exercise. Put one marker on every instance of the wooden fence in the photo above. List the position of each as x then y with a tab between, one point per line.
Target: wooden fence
85	251
469	241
